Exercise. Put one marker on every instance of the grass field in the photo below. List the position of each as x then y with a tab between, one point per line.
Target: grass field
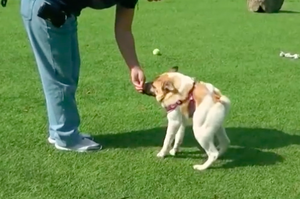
214	40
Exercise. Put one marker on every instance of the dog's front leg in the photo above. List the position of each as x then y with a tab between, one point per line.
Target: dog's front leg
174	122
178	140
172	129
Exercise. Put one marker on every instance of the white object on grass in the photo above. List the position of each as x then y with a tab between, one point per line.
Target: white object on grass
281	54
296	56
289	55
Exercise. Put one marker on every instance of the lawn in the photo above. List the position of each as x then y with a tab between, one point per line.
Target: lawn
217	41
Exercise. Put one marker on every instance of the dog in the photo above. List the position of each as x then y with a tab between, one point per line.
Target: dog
186	99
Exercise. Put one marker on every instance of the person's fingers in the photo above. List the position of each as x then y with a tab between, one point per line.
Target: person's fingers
141	78
136	83
141	82
139	90
134	79
138	80
138	87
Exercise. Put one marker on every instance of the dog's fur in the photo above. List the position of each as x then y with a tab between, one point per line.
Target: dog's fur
211	108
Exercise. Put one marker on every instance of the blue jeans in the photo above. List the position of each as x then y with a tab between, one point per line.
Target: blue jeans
57	56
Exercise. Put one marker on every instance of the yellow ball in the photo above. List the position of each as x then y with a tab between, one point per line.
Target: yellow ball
156	52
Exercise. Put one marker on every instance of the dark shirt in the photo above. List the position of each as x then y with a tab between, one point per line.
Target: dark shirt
75	6
128	3
103	4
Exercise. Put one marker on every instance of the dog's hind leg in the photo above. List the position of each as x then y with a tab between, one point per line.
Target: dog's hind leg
221	134
178	140
206	132
223	140
205	137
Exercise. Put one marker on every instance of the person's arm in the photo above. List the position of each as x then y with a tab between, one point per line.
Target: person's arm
124	36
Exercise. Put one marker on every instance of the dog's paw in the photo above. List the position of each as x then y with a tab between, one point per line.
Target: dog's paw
199	167
161	154
173	152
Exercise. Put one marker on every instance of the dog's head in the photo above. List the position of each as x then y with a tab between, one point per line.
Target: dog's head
164	86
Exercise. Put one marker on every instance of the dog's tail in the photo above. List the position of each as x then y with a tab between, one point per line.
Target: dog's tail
223	99
226	102
220	108
218	112
219	97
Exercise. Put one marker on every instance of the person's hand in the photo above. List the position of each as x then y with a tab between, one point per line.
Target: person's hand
137	78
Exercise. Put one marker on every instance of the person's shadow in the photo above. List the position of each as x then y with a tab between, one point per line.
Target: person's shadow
249	146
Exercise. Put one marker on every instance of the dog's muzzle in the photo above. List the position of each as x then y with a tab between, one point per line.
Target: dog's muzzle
147	89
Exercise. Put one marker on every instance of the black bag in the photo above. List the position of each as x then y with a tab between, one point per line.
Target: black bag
58	11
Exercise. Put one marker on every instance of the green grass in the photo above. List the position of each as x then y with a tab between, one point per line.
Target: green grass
214	40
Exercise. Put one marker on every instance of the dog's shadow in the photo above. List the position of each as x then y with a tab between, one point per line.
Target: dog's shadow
249	146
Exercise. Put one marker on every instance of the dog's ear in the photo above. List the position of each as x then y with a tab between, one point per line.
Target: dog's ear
168	86
173	69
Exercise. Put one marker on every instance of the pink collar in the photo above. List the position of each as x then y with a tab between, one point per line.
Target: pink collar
191	105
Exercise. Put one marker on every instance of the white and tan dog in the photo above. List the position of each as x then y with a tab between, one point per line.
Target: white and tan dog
202	103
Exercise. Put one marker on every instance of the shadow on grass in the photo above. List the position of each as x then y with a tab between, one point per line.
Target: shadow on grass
239	157
289	12
261	11
247	144
279	12
243	137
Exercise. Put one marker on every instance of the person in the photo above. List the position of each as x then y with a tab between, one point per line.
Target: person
58	61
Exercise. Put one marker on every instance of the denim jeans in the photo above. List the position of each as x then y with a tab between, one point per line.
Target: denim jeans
57	57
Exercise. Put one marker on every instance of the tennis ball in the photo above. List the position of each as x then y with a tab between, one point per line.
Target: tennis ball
156	52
